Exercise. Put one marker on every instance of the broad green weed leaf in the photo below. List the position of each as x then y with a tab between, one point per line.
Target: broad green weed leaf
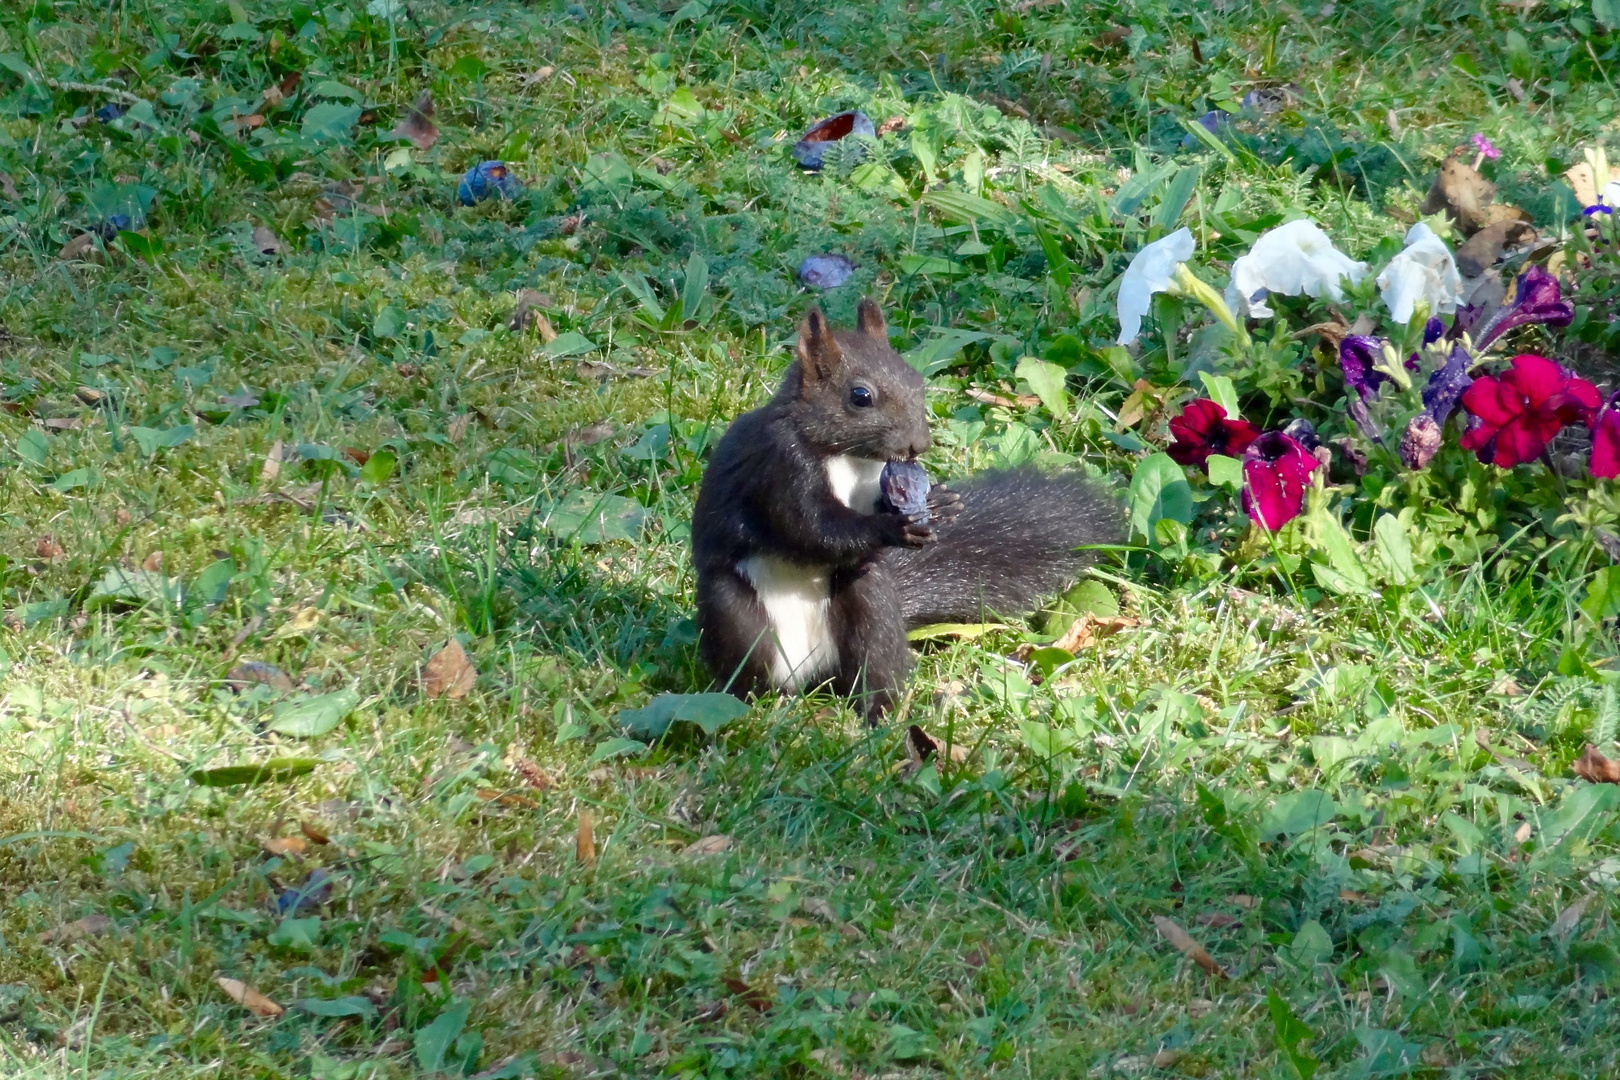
151	440
1289	1031
573	343
433	1042
595	519
353	1005
378	467
212	584
1297	812
1223	471
697	284
711	712
1221	392
308	717
1159	490
33	446
1394	549
330	121
1311	945
935	354
1602	599
612	748
274	770
1047	380
300	935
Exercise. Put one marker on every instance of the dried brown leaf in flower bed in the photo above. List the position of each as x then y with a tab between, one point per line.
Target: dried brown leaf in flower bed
1595	767
448	673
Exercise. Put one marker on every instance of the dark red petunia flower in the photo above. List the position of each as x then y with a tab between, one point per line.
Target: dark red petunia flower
1276	473
1517	413
1605	462
1203	428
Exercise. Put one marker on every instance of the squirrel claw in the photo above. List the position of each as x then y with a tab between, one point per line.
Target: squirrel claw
917	534
943	503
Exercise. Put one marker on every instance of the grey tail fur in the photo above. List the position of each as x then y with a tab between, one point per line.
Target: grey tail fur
1013	542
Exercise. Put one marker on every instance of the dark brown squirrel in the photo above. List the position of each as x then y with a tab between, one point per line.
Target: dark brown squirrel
805	575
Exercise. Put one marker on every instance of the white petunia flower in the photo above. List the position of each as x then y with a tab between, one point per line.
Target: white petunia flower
1294	258
1151	271
1424	270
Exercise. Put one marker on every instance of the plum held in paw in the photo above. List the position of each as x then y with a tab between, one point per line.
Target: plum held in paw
905	487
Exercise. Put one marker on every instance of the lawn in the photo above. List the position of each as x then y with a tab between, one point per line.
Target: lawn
343	552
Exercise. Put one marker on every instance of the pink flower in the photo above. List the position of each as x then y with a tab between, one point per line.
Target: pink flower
1605	463
1516	414
1203	428
1485	147
1276	471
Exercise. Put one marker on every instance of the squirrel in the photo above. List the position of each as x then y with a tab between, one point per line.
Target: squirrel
806	575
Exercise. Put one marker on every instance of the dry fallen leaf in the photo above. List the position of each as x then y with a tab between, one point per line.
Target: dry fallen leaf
284	846
585	840
302	622
266	242
417	124
1243	900
63	423
250	672
249	998
313	833
600	431
89	926
506	798
1595	767
1087	630
272	464
1172	932
78	247
1569	918
525	317
1482	250
448	672
1462	192
530	773
1217	919
8	186
708	845
153	563
458	428
1522	833
891	125
47	548
750	997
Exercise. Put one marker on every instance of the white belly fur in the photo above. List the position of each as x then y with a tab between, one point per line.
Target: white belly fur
796	598
854	481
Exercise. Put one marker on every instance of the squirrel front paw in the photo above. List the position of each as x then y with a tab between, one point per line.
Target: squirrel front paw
943	503
905	530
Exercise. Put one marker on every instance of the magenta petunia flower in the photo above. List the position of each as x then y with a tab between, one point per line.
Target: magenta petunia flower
1486	148
1605	462
1203	428
1276	473
1516	414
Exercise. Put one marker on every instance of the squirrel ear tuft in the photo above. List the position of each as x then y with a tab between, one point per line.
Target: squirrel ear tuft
869	321
819	356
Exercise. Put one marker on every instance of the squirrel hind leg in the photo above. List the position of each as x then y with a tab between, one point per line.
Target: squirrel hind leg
734	635
869	628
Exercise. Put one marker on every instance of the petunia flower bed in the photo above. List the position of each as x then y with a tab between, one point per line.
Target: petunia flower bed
1432	400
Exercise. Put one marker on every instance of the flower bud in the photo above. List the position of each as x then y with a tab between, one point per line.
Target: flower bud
1420	442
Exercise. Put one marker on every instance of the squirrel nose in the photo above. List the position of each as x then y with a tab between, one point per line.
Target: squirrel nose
920	443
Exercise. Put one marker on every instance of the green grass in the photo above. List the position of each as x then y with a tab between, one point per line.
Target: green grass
992	915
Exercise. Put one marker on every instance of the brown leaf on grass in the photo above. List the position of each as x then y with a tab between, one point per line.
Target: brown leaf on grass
1243	900
1569	918
271	97
506	798
153	563
585	840
90	395
313	833
1522	833
1482	250
530	773
253	672
708	845
47	548
417	124
747	994
1217	920
457	430
289	83
236	125
266	242
8	186
272	464
89	926
1088	629
282	846
63	423
525	317
249	998
1112	36
891	125
448	672
538	75
1172	932
78	247
1596	768
591	435
1460	191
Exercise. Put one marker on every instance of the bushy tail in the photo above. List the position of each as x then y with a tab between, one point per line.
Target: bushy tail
1012	543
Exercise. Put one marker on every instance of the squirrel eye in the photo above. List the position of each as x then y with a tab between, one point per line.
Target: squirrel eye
861	397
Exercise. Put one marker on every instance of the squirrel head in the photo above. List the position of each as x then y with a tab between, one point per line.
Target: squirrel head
855	394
